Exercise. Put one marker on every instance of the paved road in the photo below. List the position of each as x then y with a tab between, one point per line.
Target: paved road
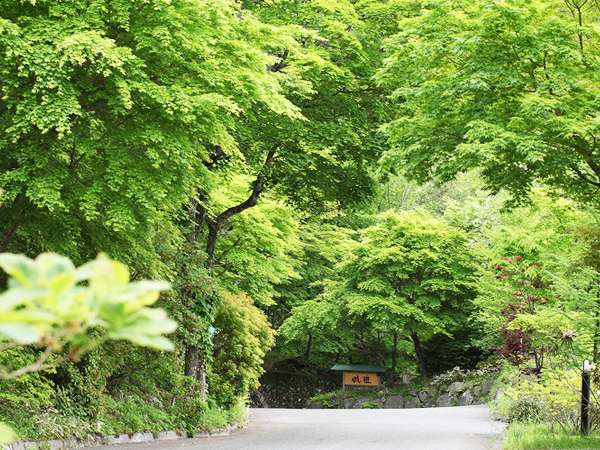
458	428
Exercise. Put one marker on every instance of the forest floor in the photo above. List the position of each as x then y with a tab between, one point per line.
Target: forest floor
454	428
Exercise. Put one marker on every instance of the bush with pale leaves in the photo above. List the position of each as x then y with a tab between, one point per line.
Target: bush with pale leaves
54	305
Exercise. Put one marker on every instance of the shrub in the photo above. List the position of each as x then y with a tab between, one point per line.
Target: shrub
30	390
526	409
553	398
243	337
486	369
52	314
134	415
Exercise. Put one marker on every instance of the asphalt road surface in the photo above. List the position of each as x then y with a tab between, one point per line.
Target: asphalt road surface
457	428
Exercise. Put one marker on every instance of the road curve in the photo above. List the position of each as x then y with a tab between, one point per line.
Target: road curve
456	428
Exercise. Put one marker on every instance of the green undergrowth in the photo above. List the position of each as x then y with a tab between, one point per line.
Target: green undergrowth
367	393
101	396
119	416
331	398
521	436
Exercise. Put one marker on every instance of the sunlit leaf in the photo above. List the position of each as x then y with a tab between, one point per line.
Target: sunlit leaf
21	333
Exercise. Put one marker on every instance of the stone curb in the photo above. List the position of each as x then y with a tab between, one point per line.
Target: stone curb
169	436
218	432
130	438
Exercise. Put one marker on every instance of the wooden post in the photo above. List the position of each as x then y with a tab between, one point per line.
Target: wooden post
585	398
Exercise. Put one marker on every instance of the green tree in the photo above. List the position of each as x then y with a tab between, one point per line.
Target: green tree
324	161
142	109
536	272
510	87
316	155
411	277
316	329
126	101
324	246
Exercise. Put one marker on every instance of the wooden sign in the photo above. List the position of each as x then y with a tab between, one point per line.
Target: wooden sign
361	379
359	375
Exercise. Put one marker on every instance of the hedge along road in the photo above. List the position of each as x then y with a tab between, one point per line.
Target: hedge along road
455	428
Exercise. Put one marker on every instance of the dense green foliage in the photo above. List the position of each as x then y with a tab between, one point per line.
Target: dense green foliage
51	304
508	86
262	157
191	140
409	278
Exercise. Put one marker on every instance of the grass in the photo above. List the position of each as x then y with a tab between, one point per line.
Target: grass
542	437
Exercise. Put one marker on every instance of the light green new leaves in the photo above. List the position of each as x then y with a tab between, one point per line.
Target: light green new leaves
50	302
259	250
508	86
536	256
127	100
411	272
551	328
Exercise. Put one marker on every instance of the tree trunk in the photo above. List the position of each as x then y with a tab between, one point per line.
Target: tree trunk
215	224
394	357
195	361
596	351
392	377
201	377
195	367
211	242
191	360
308	347
539	360
194	355
7	235
419	353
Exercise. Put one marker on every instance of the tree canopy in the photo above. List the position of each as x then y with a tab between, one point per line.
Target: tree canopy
412	184
509	87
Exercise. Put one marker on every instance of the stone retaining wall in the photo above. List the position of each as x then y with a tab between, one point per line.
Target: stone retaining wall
458	393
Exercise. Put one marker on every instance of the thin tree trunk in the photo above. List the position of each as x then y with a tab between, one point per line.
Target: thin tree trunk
215	224
308	347
392	377
195	361
201	376
596	350
211	242
9	233
539	360
419	353
194	355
